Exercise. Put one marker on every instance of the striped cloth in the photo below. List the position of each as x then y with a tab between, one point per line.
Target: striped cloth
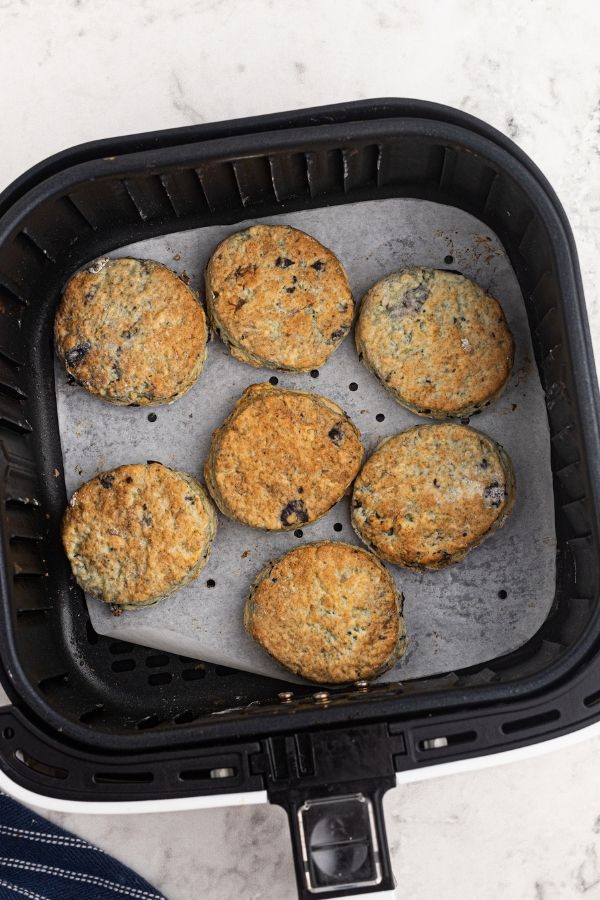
39	861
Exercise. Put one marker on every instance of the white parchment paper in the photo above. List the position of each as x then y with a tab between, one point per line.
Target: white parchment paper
485	606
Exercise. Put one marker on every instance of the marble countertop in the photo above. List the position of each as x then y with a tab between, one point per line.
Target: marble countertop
80	70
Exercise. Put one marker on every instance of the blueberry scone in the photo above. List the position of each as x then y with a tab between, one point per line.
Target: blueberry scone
282	458
428	495
137	533
329	612
131	332
278	298
436	340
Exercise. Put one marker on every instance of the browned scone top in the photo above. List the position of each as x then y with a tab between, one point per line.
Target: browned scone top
428	495
131	332
329	612
136	533
278	298
436	340
282	458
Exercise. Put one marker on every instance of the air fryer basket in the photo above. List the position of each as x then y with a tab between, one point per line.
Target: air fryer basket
98	719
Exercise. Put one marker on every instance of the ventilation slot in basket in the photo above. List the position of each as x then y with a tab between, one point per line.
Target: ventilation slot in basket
253	177
529	722
408	162
160	678
33	256
447	740
11	417
11	296
220	186
86	222
592	699
38	613
193	674
123	777
123	665
182	718
150	197
92	715
148	722
206	774
325	172
47	685
159	659
105	205
184	192
40	767
12	390
360	167
43	251
289	176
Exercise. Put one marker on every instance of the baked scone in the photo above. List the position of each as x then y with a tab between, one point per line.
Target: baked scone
137	533
282	458
436	340
131	332
278	298
428	495
329	612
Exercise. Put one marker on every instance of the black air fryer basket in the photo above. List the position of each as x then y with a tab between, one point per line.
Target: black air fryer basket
95	719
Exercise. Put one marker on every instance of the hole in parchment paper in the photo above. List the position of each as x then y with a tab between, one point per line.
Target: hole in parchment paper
465	421
353	386
273	380
152	417
211	582
502	594
298	532
380	417
338	526
448	260
314	373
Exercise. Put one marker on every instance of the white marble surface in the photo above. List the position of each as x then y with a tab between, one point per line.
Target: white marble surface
75	71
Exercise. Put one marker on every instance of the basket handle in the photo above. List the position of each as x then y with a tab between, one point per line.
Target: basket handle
339	844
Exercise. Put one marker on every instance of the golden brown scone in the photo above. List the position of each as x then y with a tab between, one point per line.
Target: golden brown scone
282	458
137	533
131	332
329	612
436	340
428	495
278	298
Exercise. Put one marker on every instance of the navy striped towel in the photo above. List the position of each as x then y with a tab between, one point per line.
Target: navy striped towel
39	861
